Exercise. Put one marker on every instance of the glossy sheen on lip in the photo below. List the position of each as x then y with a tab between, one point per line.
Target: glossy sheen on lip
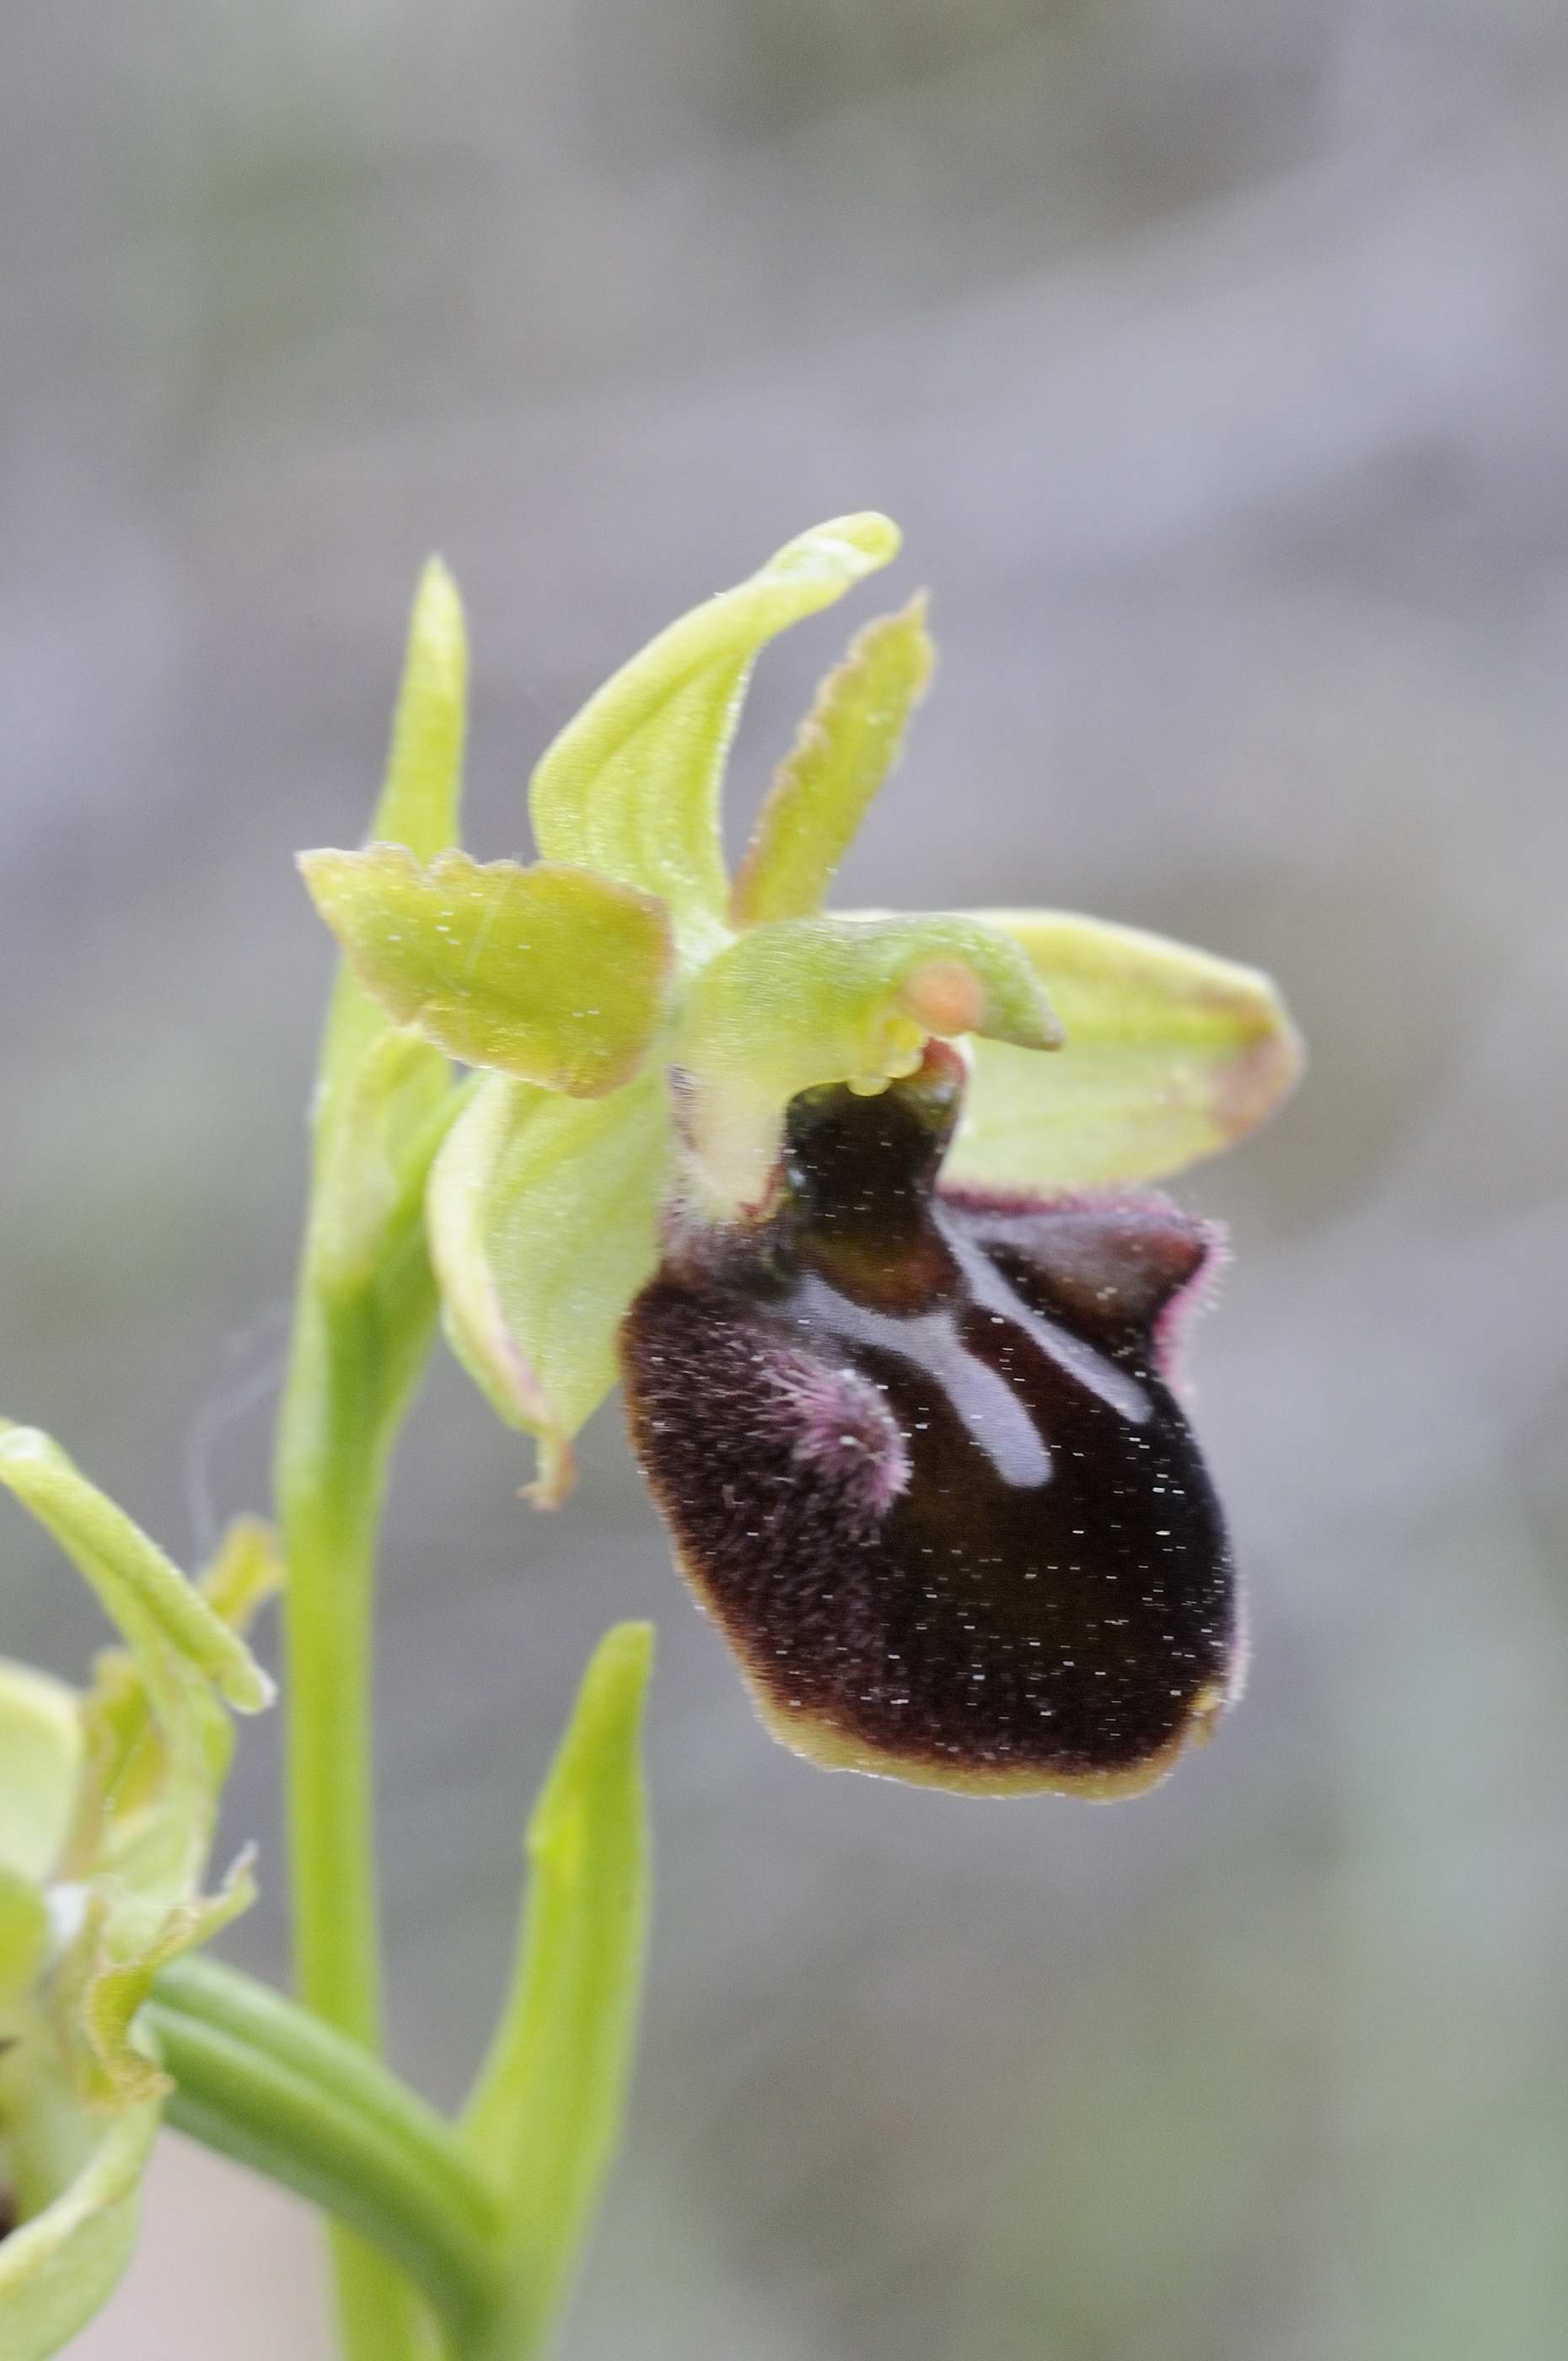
923	1465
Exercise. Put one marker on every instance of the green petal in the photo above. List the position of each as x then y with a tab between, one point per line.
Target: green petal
630	787
118	1976
40	1756
827	1000
544	2119
62	2266
542	1215
129	1765
139	1589
1170	1054
247	1569
421	796
844	748
548	974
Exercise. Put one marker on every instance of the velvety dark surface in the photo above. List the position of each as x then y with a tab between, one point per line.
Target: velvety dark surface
921	1463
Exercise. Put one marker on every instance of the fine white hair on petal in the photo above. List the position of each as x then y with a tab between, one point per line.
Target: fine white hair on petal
838	1424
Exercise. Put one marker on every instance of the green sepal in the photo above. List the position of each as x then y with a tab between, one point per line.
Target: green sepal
806	1001
844	749
1170	1054
630	787
140	1588
62	2263
40	1759
548	974
115	1796
544	2118
542	1221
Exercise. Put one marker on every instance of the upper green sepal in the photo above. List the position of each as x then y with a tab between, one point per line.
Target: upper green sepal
806	1001
548	974
1170	1054
631	786
843	751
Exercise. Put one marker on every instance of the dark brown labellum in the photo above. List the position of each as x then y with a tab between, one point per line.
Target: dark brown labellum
922	1462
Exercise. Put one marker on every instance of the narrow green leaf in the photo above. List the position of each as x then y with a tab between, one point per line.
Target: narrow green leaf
1170	1054
389	1112
630	787
135	1582
805	1000
548	974
543	1216
845	746
421	795
425	766
544	2119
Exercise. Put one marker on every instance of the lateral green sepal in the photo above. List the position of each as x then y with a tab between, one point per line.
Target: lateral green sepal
1171	1054
548	974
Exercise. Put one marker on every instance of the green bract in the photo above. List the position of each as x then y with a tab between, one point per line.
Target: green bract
645	1021
108	1802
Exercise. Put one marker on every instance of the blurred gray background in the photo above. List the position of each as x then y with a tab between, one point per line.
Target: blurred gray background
1214	356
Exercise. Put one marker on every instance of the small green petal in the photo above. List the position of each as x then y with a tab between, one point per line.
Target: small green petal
138	1586
245	1572
1171	1054
630	787
40	1757
128	1763
543	1214
115	1983
548	974
846	747
545	2116
62	2266
827	1000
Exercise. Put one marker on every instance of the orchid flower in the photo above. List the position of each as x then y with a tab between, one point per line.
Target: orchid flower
850	1199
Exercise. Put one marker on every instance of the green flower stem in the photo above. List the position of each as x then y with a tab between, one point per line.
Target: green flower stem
267	2084
338	1422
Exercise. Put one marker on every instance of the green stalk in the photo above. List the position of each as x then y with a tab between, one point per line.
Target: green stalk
267	2084
348	1383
